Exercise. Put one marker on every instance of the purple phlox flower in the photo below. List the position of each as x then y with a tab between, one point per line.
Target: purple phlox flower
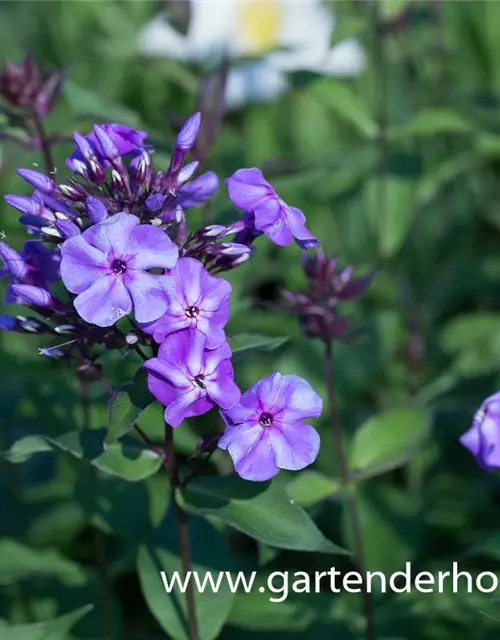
483	438
36	265
126	140
108	267
267	212
196	300
188	379
193	194
266	431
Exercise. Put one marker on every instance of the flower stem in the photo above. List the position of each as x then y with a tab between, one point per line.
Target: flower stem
345	480
182	529
105	587
45	144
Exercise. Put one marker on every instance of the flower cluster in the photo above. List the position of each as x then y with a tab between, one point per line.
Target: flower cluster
23	86
114	240
329	284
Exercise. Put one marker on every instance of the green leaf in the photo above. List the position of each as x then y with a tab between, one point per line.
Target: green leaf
86	102
244	343
263	511
210	554
19	562
389	208
57	629
346	104
386	441
24	449
431	122
391	528
474	340
127	458
310	487
126	406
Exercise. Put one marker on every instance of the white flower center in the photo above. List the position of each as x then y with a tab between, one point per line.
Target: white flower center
260	22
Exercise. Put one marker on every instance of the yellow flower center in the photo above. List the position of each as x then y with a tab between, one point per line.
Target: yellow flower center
260	21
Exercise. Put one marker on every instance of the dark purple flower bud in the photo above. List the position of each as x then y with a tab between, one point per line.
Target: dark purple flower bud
22	85
28	206
31	325
49	93
52	352
73	192
232	249
32	223
155	201
189	132
8	323
38	180
51	233
66	329
67	228
96	209
14	263
483	438
35	296
212	231
140	169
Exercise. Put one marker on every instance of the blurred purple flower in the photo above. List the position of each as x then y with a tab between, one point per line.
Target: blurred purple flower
196	300
268	213
23	85
188	379
483	438
266	431
107	266
35	265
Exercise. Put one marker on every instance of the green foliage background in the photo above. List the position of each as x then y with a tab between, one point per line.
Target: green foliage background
398	169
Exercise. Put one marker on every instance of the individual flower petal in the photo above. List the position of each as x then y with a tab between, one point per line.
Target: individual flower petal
113	233
96	210
295	446
248	187
178	408
156	249
296	222
104	302
253	456
81	264
148	294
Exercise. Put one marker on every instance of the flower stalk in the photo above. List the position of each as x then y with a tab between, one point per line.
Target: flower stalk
345	478
182	529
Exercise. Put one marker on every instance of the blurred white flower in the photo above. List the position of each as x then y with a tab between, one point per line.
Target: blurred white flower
281	36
